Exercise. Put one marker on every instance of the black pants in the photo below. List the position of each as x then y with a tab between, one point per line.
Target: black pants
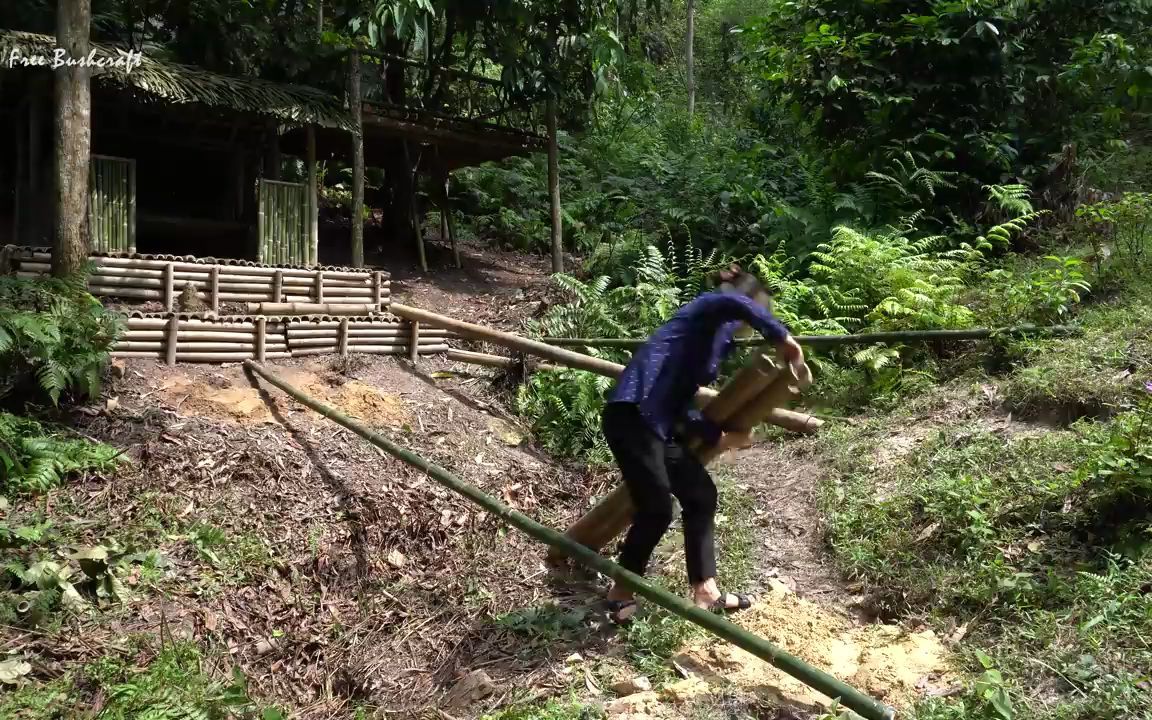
654	470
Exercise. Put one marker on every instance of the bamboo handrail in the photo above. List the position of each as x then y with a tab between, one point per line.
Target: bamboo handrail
850	697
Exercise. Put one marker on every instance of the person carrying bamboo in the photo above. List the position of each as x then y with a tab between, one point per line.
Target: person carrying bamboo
650	416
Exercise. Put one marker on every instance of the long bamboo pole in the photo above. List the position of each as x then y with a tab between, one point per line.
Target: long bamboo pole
788	419
866	706
860	339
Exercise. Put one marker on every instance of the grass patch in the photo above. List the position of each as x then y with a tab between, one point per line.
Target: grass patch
553	710
1040	545
1088	376
169	684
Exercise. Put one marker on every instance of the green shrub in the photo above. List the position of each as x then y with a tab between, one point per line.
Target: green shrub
34	459
54	339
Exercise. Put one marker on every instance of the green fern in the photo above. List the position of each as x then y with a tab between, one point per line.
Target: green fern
34	460
1015	199
54	338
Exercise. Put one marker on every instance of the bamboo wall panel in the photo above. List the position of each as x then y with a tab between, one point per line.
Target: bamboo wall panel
283	226
111	204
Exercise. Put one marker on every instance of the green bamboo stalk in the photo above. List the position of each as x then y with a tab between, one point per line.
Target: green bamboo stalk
261	240
848	696
861	339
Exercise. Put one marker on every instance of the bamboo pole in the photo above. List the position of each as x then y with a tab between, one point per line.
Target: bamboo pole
344	337
488	360
791	420
313	256
261	339
132	205
216	357
414	341
169	290
377	289
307	308
173	339
185	346
262	254
318	286
817	679
214	289
860	339
277	287
368	350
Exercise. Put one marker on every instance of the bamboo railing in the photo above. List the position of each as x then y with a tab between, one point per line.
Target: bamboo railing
163	278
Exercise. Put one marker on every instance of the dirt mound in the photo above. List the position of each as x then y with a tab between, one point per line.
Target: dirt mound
887	662
229	396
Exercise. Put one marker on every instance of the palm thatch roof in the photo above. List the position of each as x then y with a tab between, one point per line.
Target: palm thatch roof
177	84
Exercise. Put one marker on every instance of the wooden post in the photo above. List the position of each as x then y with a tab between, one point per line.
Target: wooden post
214	288
344	337
313	255
447	222
554	188
357	158
6	259
261	338
378	289
173	338
414	343
278	286
169	286
318	289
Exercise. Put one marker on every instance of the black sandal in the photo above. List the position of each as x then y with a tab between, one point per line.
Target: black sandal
743	602
615	607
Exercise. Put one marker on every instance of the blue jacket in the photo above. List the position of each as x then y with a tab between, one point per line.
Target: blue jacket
685	354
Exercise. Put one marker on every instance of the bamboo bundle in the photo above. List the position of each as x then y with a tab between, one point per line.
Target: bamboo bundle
228	274
302	334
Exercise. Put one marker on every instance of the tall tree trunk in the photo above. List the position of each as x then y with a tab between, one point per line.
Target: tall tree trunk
554	188
690	57
357	159
319	17
73	139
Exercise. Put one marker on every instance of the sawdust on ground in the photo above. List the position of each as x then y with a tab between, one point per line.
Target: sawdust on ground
232	398
891	664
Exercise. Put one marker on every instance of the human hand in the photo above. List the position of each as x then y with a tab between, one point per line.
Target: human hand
790	350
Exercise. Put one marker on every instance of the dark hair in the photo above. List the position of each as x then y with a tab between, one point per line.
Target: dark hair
734	279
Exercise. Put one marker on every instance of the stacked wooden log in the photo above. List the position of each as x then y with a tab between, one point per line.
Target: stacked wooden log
750	398
163	278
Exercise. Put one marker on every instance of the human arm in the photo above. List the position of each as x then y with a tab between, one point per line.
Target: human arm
727	307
